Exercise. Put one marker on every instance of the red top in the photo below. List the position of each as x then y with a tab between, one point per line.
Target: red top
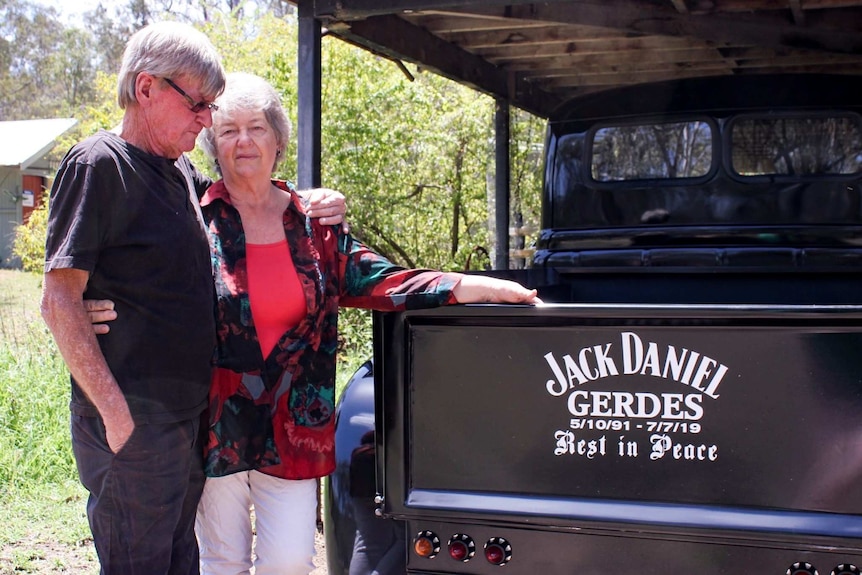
274	292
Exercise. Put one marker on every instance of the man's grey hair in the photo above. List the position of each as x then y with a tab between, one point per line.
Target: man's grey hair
168	50
248	92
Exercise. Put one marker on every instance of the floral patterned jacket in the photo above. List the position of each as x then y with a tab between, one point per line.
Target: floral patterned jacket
276	414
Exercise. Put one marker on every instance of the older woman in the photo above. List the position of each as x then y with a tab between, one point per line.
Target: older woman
280	281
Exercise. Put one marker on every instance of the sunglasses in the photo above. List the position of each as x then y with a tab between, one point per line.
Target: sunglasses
195	107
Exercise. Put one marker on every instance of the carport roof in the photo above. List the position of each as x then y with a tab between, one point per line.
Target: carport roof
24	142
537	55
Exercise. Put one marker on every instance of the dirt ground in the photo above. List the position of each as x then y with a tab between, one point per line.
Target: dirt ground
319	556
46	557
51	558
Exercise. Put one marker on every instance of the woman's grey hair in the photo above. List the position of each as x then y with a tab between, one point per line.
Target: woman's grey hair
248	92
168	50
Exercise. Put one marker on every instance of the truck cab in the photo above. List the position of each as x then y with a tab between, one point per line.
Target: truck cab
687	401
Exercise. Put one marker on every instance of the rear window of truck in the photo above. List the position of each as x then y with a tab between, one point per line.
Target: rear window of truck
796	145
653	151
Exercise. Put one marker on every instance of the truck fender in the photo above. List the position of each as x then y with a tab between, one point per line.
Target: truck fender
358	542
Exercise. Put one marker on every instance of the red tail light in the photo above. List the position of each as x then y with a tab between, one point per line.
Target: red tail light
461	547
498	551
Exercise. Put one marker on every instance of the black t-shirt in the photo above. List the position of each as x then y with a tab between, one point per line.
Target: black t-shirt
126	217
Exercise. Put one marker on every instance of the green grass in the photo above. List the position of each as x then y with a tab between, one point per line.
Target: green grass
45	527
19	304
34	414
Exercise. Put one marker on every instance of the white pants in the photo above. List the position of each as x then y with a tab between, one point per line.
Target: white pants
285	517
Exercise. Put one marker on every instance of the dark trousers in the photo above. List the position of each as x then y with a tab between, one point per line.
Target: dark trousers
142	500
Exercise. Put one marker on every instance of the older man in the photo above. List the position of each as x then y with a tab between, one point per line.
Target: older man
125	225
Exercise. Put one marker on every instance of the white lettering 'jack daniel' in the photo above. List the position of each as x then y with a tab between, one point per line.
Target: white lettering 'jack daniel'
684	366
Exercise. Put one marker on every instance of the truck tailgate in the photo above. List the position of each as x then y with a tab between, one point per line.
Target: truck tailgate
597	438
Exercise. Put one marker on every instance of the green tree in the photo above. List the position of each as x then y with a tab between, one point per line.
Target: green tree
72	70
111	30
102	113
29	37
48	68
412	156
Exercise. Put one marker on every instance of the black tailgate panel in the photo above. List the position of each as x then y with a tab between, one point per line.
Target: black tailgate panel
726	418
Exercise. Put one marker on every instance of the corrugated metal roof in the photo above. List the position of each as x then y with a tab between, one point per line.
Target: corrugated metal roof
24	142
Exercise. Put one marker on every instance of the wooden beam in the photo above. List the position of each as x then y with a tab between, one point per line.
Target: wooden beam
614	80
398	39
449	25
839	35
522	35
587	46
788	57
818	69
597	77
823	62
361	9
664	70
627	58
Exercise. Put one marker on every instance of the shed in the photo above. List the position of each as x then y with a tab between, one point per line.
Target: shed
25	167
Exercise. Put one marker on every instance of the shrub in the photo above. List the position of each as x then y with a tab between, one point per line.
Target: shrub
29	244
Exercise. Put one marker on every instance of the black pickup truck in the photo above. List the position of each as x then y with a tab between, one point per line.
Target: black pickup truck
690	401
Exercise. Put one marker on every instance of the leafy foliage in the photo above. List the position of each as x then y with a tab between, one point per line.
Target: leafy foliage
46	67
102	114
412	156
29	244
